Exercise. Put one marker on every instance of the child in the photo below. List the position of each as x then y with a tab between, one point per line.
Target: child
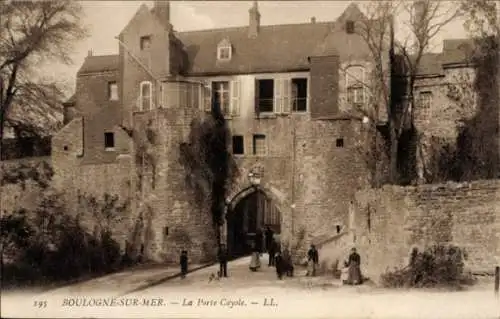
184	263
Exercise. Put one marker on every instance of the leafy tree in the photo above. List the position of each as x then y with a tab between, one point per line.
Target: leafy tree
33	33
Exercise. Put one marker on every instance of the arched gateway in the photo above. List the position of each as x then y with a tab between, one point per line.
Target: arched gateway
248	211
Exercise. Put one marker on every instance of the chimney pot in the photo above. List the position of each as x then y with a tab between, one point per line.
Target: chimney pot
313	19
254	24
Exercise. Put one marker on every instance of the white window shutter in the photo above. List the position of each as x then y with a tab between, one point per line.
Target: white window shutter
207	96
278	88
287	96
235	98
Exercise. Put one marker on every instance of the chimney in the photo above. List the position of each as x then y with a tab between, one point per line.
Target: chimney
90	53
162	11
254	15
313	20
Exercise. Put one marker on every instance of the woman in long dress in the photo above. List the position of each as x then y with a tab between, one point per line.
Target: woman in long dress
354	272
255	259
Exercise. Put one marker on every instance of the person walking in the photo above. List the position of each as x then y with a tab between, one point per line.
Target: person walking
184	263
222	256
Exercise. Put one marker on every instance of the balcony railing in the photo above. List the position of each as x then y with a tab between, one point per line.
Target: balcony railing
181	94
265	105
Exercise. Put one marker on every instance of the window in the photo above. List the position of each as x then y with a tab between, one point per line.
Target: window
224	50
339	142
265	96
145	42
259	145
349	26
238	145
424	103
299	95
165	231
109	140
146	96
112	91
355	81
220	97
224	54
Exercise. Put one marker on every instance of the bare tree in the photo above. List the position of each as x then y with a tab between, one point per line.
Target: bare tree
33	33
427	19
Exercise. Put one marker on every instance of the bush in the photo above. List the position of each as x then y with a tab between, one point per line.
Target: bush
436	266
49	245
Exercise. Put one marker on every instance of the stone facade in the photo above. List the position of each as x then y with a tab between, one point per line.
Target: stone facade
310	162
389	222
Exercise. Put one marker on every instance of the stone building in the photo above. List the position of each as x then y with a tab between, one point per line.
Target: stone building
293	97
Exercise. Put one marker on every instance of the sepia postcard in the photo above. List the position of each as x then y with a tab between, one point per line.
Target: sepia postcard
250	159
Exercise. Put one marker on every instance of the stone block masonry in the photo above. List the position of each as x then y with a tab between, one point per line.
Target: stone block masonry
392	220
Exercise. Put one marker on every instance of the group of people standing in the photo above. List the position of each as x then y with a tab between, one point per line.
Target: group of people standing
278	258
282	260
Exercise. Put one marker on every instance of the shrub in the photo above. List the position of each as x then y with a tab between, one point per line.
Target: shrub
50	245
436	266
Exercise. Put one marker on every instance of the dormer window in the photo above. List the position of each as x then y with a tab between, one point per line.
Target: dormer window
224	50
349	26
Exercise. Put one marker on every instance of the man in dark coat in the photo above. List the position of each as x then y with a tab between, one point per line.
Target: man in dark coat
279	265
269	239
271	250
184	263
259	241
222	256
312	260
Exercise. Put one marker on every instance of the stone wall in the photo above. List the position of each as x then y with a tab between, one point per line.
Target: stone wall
390	221
173	219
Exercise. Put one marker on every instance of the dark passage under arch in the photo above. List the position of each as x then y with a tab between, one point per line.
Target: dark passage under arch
252	213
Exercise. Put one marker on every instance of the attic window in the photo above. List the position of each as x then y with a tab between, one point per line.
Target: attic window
349	26
224	50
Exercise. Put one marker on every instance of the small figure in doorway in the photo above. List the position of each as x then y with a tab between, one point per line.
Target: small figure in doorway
222	257
184	263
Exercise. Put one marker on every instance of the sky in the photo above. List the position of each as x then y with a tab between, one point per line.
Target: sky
106	19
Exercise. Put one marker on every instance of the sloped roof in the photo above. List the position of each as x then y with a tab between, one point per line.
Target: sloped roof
99	63
276	48
430	64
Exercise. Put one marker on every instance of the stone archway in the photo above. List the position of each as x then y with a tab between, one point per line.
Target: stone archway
250	210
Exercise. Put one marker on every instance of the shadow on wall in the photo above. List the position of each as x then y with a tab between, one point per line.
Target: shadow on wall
475	154
209	166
